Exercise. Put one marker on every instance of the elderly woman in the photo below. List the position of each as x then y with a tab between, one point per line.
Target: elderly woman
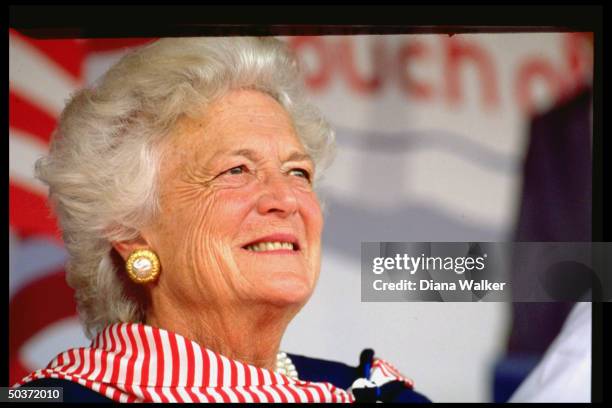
183	182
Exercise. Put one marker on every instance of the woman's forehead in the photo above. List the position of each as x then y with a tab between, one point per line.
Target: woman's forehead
243	108
238	120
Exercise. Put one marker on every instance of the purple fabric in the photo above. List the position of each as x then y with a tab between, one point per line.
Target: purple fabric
556	206
557	186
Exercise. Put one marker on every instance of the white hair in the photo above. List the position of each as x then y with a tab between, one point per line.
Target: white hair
103	163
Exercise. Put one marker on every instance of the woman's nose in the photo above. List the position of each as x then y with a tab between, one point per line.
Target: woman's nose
277	196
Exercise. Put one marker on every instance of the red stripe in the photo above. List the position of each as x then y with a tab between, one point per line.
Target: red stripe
69	361
320	393
220	378
29	213
233	374
234	380
160	357
62	376
260	381
92	365
111	344
279	392
293	393
378	366
176	358
103	388
233	394
395	372
388	366
253	395
190	354
82	355
158	391
206	394
131	361
28	117
220	373
114	346
300	385
17	369
176	362
284	381
60	359
67	54
306	391
247	382
325	389
116	338
115	44
160	363
103	358
334	396
342	399
48	289
383	369
205	367
129	369
247	375
79	368
115	395
144	378
102	341
190	369
390	369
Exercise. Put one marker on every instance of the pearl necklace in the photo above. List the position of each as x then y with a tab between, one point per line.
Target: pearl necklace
285	366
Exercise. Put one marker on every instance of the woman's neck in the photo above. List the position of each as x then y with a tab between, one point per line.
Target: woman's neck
251	335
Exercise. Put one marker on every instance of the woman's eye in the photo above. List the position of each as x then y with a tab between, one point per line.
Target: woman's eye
300	173
236	170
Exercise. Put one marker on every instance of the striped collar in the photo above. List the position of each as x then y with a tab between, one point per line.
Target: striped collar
130	362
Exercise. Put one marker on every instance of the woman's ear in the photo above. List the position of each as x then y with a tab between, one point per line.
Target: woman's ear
125	248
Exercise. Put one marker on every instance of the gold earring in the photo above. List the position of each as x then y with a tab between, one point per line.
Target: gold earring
142	266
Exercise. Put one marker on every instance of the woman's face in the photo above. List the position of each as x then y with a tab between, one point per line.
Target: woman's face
240	223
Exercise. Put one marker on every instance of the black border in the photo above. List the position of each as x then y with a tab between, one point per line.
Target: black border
70	21
600	233
239	19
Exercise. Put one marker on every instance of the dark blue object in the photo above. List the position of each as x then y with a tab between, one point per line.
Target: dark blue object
366	359
73	392
510	372
343	376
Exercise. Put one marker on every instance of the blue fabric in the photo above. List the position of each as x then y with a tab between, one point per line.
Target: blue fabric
343	376
309	369
73	392
510	372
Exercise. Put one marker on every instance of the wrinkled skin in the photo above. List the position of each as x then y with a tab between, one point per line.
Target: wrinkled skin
229	177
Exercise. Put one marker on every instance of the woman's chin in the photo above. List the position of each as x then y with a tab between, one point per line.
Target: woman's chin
286	289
